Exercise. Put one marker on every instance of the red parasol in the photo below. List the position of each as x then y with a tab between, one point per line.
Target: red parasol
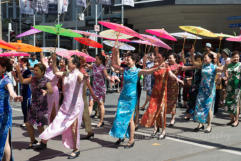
88	42
6	45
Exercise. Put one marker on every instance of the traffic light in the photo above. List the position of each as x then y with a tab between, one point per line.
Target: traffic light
12	36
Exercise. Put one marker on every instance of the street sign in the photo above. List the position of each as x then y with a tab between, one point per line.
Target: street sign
235	25
97	28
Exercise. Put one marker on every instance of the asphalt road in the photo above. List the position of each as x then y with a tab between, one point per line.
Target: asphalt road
181	143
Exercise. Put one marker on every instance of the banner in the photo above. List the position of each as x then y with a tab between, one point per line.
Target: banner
128	2
63	6
26	7
81	3
104	2
40	6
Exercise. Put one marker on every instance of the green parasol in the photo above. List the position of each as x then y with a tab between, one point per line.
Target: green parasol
57	30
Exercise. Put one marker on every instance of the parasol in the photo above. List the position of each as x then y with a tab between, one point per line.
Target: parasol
14	53
119	45
29	32
57	30
155	41
120	28
88	42
161	33
22	47
6	45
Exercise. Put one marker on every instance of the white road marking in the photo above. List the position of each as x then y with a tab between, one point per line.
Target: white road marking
16	109
195	144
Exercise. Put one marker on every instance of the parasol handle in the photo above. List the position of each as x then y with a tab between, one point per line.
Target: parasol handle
184	41
149	48
219	47
145	47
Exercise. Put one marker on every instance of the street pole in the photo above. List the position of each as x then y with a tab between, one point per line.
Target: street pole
96	23
1	35
122	12
9	31
20	20
34	36
44	39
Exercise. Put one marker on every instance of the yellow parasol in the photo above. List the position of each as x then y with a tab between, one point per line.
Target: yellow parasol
113	35
22	47
198	31
221	36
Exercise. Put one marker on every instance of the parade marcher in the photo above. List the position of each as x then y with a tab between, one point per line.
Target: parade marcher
173	87
86	116
25	89
207	90
53	99
6	92
233	89
148	62
37	113
156	111
69	116
99	87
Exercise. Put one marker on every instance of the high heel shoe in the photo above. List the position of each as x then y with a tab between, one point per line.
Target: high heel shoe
161	137
88	136
155	132
100	125
198	128
235	125
32	145
74	154
230	123
119	141
128	145
208	131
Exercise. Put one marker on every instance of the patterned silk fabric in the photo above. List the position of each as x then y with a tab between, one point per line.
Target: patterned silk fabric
173	90
206	94
126	104
158	101
5	113
233	87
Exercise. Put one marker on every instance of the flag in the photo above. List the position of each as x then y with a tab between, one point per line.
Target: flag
104	2
81	3
40	6
25	7
128	2
63	6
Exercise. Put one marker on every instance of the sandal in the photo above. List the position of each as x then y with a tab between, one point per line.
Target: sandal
74	154
32	145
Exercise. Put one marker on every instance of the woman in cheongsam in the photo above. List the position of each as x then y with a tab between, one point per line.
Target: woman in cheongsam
234	89
6	91
99	87
38	112
205	101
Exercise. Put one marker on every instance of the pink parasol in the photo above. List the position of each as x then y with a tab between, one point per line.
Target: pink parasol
155	41
86	33
120	28
64	54
236	39
142	42
86	56
14	53
161	33
29	32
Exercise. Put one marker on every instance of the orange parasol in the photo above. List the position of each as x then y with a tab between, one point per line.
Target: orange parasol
25	47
